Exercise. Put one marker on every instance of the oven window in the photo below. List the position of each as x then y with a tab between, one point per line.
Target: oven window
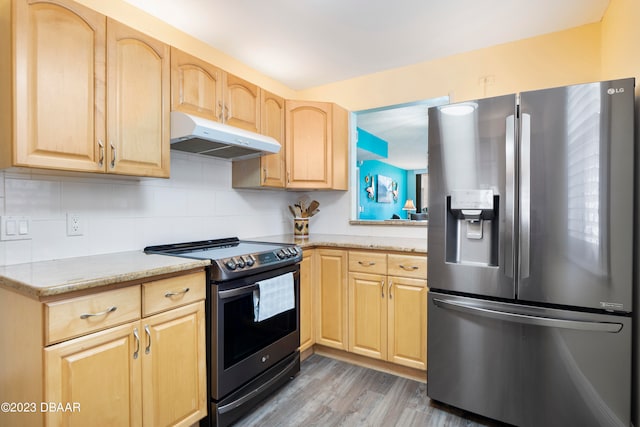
244	337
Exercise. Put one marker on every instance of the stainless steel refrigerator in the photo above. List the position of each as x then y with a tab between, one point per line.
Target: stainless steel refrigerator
531	224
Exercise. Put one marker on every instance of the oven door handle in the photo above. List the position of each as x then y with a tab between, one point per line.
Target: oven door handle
235	292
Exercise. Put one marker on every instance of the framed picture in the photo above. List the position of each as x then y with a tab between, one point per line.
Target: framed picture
385	190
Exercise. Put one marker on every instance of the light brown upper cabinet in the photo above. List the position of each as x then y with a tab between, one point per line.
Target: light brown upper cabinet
138	71
70	69
265	171
205	90
196	86
316	145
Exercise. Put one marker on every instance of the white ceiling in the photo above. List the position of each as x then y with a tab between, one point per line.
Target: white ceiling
307	43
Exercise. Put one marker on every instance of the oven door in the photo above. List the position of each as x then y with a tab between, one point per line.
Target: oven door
241	348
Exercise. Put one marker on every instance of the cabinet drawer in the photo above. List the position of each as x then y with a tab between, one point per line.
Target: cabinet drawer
408	266
165	294
79	316
368	262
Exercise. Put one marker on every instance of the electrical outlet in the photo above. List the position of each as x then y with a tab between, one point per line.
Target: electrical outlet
74	225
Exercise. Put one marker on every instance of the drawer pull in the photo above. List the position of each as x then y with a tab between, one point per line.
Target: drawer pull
137	337
147	349
102	313
366	263
409	267
382	287
173	294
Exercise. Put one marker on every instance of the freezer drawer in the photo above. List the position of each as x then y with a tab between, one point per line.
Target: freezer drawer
529	366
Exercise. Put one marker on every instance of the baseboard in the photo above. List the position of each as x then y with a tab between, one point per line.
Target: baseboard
367	362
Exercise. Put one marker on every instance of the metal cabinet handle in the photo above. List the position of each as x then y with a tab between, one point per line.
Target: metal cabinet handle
220	112
147	331
382	287
389	292
366	263
409	267
113	155
137	337
173	294
227	111
264	174
102	313
101	145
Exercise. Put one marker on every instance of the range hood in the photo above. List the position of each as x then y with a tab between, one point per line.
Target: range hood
201	136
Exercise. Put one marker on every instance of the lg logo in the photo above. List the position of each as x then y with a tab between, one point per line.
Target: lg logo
613	91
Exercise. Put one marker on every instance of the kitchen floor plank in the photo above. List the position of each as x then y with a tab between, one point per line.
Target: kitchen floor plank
331	393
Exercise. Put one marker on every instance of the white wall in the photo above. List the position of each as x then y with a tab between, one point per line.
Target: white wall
122	213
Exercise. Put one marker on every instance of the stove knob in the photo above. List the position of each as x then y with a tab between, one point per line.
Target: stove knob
249	260
231	265
240	262
280	254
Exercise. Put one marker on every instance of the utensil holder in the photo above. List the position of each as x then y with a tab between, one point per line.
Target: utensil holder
301	227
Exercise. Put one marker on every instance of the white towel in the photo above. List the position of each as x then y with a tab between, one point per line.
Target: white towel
273	296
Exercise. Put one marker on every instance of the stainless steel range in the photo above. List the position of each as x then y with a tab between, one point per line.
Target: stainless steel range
249	353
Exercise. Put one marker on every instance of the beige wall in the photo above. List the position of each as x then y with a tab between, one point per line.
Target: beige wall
556	59
620	38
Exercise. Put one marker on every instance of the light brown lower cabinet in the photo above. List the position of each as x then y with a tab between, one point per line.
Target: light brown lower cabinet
307	333
388	313
147	370
331	298
369	303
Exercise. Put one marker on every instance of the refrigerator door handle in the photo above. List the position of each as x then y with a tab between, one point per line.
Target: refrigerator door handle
525	194
528	319
510	172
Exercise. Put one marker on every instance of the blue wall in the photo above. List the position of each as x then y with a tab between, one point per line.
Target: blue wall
371	209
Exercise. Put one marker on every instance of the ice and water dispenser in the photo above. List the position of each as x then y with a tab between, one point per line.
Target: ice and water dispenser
472	227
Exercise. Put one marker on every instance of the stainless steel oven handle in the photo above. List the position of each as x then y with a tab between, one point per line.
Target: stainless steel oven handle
231	406
235	292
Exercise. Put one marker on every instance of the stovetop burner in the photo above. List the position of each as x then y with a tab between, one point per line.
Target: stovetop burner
232	258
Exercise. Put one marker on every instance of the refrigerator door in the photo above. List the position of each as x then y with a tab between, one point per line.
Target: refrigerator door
576	195
471	197
529	366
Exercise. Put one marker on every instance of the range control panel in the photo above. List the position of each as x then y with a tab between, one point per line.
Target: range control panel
251	261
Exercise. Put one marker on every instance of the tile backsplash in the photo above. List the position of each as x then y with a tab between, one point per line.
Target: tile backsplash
126	213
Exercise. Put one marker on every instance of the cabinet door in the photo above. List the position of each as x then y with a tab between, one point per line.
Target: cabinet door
100	373
408	322
306	301
331	298
272	124
138	103
174	377
241	104
308	144
368	315
59	86
196	86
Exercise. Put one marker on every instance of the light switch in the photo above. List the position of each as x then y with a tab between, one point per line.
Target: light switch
15	228
23	227
11	227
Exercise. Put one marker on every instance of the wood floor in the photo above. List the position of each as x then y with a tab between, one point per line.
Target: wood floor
329	392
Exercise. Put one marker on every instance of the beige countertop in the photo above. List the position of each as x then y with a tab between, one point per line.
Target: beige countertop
399	244
49	278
